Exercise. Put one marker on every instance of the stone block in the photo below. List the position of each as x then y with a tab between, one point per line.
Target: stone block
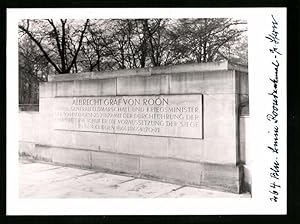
220	151
223	177
195	67
102	87
47	89
43	152
46	107
27	149
186	83
139	85
220	82
45	127
69	156
61	138
220	128
176	171
142	145
220	115
94	141
186	149
202	82
28	126
120	163
100	75
65	88
44	136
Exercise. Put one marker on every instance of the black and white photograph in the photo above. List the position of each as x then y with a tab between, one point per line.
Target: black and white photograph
143	106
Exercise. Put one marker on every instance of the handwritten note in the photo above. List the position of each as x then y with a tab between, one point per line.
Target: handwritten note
272	116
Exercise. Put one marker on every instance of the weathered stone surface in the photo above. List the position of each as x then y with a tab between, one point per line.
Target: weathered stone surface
219	82
186	149
27	148
28	130
46	107
37	180
202	82
62	138
103	87
65	88
142	145
220	128
221	151
47	89
186	83
44	135
45	121
196	67
171	170
100	75
143	85
94	141
43	152
121	163
224	177
79	158
141	188
193	192
225	131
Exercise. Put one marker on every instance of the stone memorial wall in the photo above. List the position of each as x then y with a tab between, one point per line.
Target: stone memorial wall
178	124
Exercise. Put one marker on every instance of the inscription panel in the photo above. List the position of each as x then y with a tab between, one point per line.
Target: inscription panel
164	115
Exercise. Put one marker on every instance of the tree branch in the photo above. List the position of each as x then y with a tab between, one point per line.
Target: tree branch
79	46
58	44
40	47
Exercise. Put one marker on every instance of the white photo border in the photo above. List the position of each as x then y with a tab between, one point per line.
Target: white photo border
259	25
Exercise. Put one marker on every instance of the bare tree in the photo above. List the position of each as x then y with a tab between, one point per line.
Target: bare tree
74	46
235	51
201	40
33	68
53	38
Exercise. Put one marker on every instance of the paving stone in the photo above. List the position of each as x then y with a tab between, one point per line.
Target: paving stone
35	167
145	188
192	192
39	180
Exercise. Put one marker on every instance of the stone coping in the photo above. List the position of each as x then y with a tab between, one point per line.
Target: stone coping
195	67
